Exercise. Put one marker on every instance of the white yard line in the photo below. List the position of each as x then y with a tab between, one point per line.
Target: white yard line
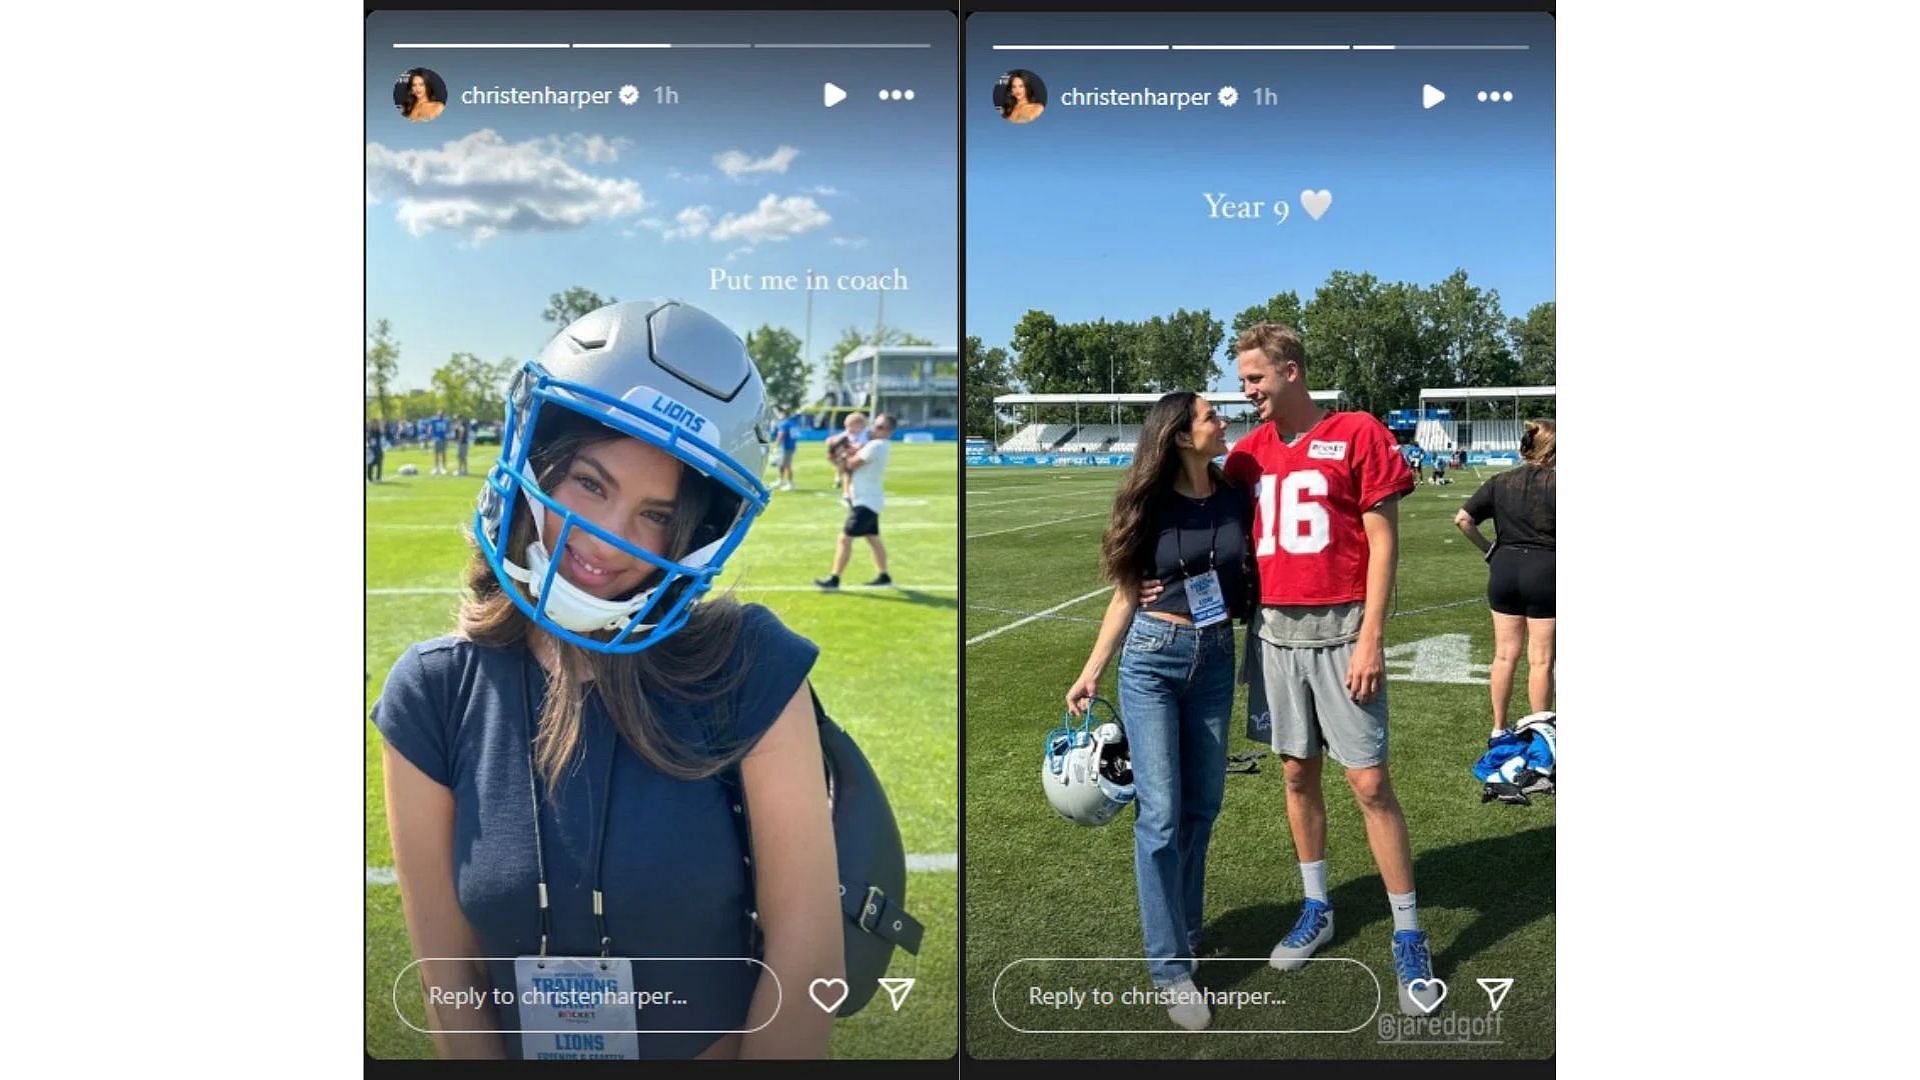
1049	618
1056	496
976	488
998	630
1437	607
1038	524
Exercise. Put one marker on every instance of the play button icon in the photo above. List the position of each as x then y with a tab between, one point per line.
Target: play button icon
831	95
1431	95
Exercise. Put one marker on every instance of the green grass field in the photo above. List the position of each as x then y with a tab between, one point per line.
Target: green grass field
886	673
1038	886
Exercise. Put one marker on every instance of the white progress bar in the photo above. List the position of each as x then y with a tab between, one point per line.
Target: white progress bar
479	44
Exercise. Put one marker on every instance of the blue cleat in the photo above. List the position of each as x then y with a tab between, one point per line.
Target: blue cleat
1314	929
1420	992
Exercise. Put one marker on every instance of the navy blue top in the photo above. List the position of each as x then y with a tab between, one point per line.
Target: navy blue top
1196	535
675	873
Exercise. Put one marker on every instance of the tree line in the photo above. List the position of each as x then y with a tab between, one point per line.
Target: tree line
467	385
1380	342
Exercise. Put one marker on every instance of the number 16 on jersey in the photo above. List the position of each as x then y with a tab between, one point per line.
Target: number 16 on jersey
1301	523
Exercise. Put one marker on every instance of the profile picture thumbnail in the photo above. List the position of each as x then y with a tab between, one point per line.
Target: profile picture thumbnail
1020	96
420	94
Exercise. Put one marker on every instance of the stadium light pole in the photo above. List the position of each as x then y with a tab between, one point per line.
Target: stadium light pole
1113	414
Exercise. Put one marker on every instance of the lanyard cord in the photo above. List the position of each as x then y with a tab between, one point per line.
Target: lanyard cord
599	834
1213	538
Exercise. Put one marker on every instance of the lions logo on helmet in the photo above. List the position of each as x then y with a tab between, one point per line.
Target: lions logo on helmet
677	379
1087	775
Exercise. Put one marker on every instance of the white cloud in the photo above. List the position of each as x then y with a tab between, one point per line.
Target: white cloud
854	242
774	219
823	190
688	178
689	223
736	163
596	149
481	185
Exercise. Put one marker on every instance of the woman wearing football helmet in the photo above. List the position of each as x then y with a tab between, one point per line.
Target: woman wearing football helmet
1175	519
556	770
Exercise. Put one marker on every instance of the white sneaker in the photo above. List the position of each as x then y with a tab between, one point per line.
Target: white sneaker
1190	1008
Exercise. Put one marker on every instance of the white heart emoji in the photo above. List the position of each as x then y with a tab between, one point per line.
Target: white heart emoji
1415	986
1315	203
827	993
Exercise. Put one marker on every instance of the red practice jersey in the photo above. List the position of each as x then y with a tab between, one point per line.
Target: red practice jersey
1308	536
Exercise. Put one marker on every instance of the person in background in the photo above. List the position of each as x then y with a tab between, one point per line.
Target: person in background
840	449
437	431
866	495
376	452
1520	560
787	433
462	442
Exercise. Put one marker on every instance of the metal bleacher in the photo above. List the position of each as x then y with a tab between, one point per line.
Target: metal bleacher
1036	437
1091	438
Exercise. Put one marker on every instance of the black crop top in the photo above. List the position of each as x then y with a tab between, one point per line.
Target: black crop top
1195	534
1521	503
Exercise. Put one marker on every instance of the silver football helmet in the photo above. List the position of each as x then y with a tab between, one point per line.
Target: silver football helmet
1086	774
672	376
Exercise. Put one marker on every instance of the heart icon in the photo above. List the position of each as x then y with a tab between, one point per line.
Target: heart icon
827	993
1415	986
1315	203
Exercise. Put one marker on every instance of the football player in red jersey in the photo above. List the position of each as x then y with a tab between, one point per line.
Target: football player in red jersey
1326	486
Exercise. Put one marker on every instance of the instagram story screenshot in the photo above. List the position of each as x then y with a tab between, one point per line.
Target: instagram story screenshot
661	513
1259	634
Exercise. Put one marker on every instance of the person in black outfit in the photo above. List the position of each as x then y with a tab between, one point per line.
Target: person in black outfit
376	452
1520	584
1177	520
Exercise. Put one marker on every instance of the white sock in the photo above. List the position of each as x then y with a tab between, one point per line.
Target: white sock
1405	915
1313	876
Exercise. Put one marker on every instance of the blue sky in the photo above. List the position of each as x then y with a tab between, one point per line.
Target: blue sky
1095	212
475	218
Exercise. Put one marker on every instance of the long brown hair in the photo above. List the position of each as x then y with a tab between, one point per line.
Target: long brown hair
1128	544
685	666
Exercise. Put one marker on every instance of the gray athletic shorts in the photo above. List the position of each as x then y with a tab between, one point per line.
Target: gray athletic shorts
1301	693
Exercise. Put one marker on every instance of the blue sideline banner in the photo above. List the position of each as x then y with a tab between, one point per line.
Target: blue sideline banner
1050	460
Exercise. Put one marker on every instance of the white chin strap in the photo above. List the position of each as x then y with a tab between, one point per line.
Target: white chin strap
572	607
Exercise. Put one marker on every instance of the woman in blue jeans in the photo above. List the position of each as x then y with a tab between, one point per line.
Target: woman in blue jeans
1177	520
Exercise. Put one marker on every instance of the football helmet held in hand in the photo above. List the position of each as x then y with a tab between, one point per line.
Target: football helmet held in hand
1086	773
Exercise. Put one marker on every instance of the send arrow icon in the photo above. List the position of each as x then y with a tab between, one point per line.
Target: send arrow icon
898	989
1496	991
